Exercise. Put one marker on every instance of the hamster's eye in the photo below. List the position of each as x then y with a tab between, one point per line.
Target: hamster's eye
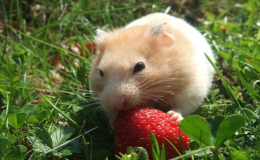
139	67
101	73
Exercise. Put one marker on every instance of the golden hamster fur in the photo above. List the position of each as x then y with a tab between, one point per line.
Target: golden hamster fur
157	60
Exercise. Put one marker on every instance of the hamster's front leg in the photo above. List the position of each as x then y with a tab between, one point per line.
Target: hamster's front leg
176	116
112	123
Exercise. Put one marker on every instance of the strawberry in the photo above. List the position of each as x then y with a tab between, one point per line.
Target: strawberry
133	127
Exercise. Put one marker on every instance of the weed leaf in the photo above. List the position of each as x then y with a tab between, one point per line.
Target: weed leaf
15	109
16	120
196	128
250	73
258	35
2	122
227	56
42	116
255	63
228	127
210	16
5	147
17	153
32	119
238	155
241	140
29	110
214	123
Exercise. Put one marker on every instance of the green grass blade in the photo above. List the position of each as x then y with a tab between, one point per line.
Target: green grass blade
7	113
49	44
192	153
227	87
252	113
163	157
155	146
248	87
85	147
173	146
63	114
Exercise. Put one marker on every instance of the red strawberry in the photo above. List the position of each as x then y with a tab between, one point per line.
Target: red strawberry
133	127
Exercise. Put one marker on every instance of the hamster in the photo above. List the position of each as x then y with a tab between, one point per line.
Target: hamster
157	60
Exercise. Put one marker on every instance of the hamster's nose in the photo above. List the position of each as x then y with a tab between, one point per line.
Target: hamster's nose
117	105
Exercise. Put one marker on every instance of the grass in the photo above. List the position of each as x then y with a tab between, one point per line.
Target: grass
44	82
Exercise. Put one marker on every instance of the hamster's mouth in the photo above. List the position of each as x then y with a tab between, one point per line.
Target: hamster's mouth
137	105
157	105
127	105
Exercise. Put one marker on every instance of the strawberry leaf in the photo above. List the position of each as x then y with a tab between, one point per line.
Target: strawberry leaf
196	128
41	140
45	140
140	151
129	150
60	134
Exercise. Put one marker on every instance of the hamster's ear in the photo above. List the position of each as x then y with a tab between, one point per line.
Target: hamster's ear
100	35
163	37
157	29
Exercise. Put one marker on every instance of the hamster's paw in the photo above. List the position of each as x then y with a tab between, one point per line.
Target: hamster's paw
112	123
175	116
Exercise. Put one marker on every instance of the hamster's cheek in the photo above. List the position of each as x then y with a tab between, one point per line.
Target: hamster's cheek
104	100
